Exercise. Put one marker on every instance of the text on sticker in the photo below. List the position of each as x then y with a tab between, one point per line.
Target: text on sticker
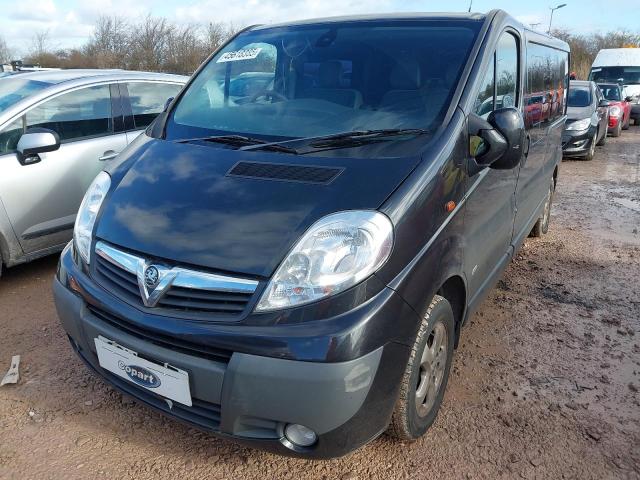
246	54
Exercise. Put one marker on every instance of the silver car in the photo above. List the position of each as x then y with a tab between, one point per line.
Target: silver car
57	129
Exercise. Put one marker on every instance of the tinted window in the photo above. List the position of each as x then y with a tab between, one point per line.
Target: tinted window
10	135
148	100
547	84
13	90
83	113
313	80
579	97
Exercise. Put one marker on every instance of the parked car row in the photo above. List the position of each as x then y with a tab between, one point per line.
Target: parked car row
593	112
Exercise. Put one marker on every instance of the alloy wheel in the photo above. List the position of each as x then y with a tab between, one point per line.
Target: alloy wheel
432	369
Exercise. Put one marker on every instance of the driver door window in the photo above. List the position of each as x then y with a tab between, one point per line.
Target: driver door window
499	88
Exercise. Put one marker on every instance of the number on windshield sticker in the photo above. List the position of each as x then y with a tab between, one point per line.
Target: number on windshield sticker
247	54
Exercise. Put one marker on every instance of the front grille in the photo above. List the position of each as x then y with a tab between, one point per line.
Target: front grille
161	340
202	414
178	300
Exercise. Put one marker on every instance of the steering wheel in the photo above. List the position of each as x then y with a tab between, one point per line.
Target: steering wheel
268	94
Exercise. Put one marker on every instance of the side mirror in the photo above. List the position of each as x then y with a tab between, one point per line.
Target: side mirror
604	103
628	99
498	142
167	103
35	141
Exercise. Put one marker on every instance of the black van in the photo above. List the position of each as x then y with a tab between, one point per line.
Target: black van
287	256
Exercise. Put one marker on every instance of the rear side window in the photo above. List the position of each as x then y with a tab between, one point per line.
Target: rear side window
499	87
547	84
148	100
83	113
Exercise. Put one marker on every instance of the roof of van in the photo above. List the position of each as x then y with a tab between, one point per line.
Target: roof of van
617	57
479	17
381	16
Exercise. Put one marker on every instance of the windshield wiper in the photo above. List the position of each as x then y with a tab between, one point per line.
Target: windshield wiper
350	138
228	139
363	136
242	142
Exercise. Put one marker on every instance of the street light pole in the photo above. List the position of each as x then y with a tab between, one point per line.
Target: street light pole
553	9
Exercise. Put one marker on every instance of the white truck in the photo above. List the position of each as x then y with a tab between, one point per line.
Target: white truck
622	66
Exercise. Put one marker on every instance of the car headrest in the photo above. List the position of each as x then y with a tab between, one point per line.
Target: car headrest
329	74
406	75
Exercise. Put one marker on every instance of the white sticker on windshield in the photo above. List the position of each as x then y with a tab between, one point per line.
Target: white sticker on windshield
246	54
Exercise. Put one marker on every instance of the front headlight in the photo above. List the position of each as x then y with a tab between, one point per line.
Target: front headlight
579	124
337	252
89	209
615	111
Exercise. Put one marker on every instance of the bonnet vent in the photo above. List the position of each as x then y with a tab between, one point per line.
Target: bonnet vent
285	172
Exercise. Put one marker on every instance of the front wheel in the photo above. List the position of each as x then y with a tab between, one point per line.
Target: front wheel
592	148
425	377
625	125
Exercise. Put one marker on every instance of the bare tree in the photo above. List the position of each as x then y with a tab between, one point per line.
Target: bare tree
5	54
40	43
149	42
109	45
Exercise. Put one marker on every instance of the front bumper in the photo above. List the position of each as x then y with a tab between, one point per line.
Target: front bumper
242	396
576	143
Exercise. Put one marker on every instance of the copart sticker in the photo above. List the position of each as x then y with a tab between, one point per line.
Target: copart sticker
246	54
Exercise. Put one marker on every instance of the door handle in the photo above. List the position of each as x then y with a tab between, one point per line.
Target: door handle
108	155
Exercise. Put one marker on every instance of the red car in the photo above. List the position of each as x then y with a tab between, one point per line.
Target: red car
619	108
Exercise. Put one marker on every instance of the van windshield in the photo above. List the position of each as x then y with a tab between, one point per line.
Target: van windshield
619	75
321	79
12	90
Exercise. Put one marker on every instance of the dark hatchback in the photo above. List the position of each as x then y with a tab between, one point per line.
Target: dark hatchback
289	264
587	120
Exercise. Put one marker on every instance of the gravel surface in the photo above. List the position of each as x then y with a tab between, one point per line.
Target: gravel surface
544	385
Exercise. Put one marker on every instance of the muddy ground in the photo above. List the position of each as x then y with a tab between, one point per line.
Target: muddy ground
545	382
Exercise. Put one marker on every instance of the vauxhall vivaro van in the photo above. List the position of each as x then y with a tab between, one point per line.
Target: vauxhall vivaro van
286	257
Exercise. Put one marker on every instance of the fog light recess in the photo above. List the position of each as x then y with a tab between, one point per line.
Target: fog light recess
299	435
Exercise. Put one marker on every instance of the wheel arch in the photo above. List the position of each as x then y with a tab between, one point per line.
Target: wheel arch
454	290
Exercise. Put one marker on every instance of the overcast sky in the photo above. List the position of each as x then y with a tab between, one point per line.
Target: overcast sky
70	22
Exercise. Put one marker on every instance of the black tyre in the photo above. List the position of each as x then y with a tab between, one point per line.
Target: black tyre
542	225
592	148
603	140
425	378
